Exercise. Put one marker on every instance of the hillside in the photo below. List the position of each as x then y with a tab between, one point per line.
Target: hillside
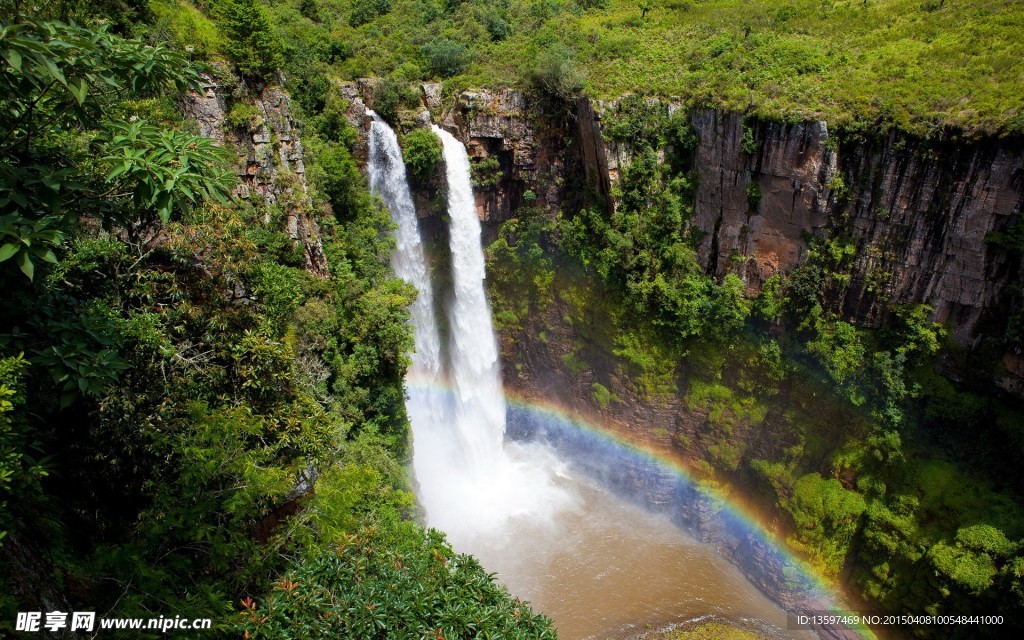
919	66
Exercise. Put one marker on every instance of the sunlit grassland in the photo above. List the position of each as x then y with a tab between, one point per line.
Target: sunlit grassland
918	65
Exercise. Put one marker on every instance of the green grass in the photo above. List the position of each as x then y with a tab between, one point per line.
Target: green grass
957	65
711	630
909	63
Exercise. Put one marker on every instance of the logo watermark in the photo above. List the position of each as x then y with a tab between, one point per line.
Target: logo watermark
36	621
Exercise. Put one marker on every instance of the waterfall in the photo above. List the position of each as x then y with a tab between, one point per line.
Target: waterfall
388	179
473	483
548	534
476	378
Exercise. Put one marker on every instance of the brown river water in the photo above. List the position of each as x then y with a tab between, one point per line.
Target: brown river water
605	568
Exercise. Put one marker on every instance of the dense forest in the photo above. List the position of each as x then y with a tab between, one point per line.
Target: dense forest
175	381
198	419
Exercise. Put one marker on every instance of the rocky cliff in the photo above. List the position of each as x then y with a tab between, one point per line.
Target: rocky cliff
270	158
919	212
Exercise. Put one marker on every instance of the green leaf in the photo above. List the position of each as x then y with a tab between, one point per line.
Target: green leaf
13	58
25	263
79	89
7	251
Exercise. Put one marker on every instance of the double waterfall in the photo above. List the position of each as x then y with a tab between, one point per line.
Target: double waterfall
551	530
471	482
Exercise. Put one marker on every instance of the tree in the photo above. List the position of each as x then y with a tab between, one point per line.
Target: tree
421	150
826	517
557	73
253	45
391	582
365	11
446	58
65	151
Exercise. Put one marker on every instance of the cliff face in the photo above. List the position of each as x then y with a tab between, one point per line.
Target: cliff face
271	160
918	212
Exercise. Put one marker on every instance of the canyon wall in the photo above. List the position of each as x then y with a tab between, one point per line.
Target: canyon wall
919	213
271	158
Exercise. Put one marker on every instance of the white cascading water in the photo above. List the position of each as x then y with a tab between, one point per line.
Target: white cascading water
470	482
388	179
473	483
575	550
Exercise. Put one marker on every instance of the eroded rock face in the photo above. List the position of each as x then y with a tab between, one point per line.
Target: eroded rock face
792	173
918	213
271	165
502	126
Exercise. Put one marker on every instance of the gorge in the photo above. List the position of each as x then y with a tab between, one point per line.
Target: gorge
559	528
423	319
562	352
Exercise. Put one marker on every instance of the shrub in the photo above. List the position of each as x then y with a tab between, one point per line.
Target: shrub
421	150
366	11
602	396
243	117
395	583
497	28
310	9
387	99
446	58
826	516
557	73
486	172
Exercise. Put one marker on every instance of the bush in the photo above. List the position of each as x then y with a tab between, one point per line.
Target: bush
826	516
395	583
366	11
421	150
387	99
497	28
446	58
557	73
243	117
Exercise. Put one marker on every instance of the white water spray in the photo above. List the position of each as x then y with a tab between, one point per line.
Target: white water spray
471	483
578	550
388	179
474	484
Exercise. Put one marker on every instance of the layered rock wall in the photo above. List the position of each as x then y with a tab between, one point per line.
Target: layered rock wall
919	213
271	159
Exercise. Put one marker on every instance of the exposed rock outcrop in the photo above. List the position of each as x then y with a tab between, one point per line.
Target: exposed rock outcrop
918	212
272	160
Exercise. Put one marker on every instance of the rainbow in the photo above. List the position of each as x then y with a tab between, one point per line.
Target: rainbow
532	418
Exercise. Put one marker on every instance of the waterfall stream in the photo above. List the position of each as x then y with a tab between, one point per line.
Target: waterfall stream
599	566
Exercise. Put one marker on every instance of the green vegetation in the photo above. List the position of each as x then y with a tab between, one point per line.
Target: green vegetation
711	630
389	584
190	417
517	262
880	470
421	150
859	65
251	42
